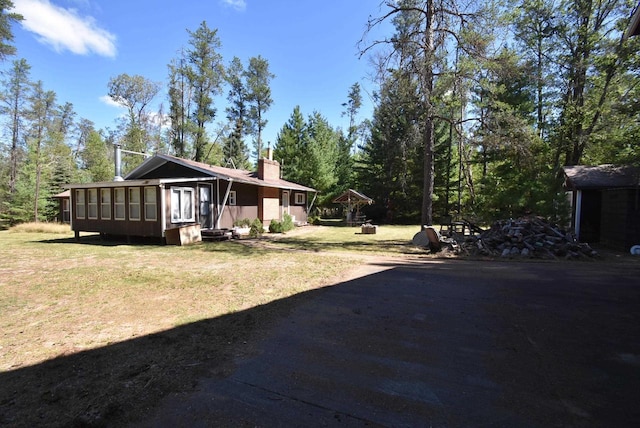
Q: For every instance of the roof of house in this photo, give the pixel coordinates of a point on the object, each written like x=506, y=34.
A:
x=63, y=194
x=142, y=175
x=228, y=174
x=601, y=177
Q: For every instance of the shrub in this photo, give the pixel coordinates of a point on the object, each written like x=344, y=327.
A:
x=287, y=223
x=256, y=228
x=245, y=222
x=275, y=227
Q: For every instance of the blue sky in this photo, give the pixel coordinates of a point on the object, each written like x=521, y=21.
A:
x=76, y=46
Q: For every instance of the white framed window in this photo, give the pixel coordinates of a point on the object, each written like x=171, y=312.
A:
x=150, y=204
x=118, y=203
x=182, y=200
x=232, y=198
x=105, y=204
x=92, y=205
x=299, y=198
x=134, y=203
x=80, y=210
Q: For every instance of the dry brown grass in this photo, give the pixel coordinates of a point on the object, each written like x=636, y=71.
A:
x=40, y=227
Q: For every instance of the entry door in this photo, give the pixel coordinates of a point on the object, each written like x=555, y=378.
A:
x=285, y=203
x=205, y=206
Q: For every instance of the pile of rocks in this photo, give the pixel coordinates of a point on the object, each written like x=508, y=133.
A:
x=529, y=237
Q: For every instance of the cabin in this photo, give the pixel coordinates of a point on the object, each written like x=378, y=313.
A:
x=63, y=201
x=166, y=193
x=605, y=204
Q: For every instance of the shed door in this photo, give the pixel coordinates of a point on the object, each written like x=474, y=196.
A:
x=285, y=203
x=205, y=206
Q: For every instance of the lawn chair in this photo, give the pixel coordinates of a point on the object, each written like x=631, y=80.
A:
x=437, y=241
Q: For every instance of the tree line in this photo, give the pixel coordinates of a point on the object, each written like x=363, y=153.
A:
x=478, y=106
x=482, y=103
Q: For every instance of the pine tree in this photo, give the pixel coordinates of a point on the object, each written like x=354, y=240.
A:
x=290, y=146
x=14, y=97
x=258, y=98
x=205, y=72
x=235, y=150
x=6, y=35
x=96, y=158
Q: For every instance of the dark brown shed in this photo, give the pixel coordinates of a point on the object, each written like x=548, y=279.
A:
x=605, y=204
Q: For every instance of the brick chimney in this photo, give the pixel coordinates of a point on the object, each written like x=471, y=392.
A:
x=268, y=169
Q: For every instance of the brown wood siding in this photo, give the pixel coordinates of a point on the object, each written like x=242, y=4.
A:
x=246, y=195
x=620, y=226
x=246, y=204
x=298, y=212
x=126, y=227
x=232, y=214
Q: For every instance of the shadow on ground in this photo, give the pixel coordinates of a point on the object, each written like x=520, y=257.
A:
x=447, y=343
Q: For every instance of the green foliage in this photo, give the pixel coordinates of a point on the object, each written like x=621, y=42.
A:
x=258, y=96
x=135, y=93
x=6, y=35
x=245, y=222
x=287, y=223
x=391, y=167
x=257, y=228
x=289, y=147
x=234, y=147
x=96, y=158
x=275, y=227
x=308, y=152
x=281, y=226
x=204, y=71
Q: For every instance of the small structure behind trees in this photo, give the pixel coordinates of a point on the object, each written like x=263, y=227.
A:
x=352, y=201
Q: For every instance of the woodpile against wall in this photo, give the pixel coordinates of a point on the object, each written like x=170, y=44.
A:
x=530, y=237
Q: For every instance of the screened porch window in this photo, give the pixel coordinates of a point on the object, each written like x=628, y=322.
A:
x=118, y=204
x=182, y=201
x=105, y=204
x=134, y=203
x=80, y=210
x=150, y=206
x=93, y=203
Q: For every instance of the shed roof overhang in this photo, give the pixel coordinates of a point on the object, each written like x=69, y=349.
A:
x=601, y=177
x=353, y=197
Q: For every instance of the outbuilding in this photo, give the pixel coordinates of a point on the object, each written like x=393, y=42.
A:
x=605, y=204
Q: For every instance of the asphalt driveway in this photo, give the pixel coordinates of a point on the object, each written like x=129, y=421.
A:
x=453, y=343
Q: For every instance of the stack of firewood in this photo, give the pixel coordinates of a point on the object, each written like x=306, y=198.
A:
x=530, y=237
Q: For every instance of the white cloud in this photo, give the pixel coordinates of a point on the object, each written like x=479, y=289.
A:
x=106, y=99
x=239, y=5
x=64, y=29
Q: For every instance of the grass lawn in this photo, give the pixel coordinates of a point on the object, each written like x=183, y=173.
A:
x=92, y=332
